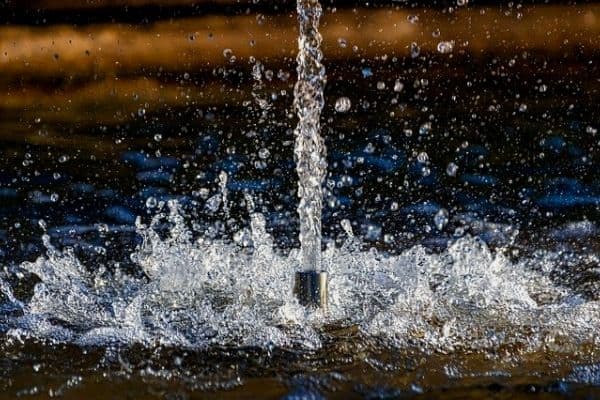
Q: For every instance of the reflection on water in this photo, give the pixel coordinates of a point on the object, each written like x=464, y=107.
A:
x=460, y=221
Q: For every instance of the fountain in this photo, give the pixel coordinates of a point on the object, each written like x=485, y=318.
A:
x=311, y=165
x=438, y=285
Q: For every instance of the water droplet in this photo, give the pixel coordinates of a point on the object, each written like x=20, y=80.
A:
x=380, y=85
x=283, y=75
x=54, y=197
x=423, y=157
x=425, y=128
x=398, y=86
x=228, y=54
x=415, y=50
x=214, y=203
x=259, y=164
x=347, y=226
x=100, y=250
x=257, y=71
x=151, y=202
x=451, y=169
x=343, y=104
x=445, y=47
x=243, y=238
x=523, y=107
x=264, y=153
x=202, y=192
x=63, y=159
x=223, y=180
x=373, y=232
x=413, y=19
x=158, y=137
x=441, y=218
x=342, y=43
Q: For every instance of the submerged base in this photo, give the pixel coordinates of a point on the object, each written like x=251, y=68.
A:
x=310, y=287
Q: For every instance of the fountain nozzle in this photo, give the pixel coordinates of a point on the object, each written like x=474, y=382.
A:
x=311, y=288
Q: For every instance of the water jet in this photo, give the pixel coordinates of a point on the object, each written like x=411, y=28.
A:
x=311, y=165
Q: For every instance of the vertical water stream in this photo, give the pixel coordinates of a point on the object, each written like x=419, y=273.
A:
x=309, y=150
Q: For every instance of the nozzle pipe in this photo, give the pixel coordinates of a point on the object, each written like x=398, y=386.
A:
x=311, y=288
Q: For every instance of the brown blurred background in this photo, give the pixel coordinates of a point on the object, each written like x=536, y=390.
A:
x=59, y=59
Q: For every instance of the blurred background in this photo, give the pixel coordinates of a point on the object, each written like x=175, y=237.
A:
x=464, y=117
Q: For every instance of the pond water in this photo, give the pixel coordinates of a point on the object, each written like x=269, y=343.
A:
x=148, y=248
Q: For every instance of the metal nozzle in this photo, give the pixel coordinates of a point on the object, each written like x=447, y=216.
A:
x=310, y=288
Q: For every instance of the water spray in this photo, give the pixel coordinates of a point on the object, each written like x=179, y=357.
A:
x=309, y=151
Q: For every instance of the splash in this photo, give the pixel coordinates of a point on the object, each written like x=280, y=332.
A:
x=199, y=293
x=309, y=150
